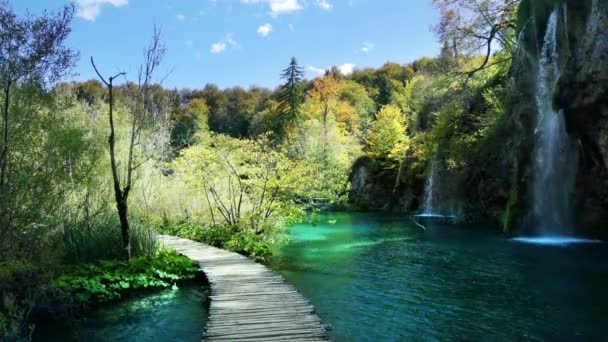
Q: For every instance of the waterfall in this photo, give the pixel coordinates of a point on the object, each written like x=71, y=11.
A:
x=430, y=192
x=554, y=159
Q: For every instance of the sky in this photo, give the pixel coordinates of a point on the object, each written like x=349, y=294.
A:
x=245, y=42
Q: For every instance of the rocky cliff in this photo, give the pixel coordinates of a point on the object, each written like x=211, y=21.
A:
x=502, y=188
x=582, y=95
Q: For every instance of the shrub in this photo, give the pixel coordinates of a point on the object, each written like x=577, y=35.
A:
x=20, y=285
x=249, y=242
x=109, y=280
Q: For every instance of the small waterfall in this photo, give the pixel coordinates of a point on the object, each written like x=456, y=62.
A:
x=430, y=191
x=554, y=160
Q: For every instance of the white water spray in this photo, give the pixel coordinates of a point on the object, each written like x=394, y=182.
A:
x=555, y=159
x=430, y=191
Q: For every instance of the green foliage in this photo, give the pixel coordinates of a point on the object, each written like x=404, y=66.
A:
x=246, y=183
x=230, y=182
x=357, y=96
x=53, y=156
x=258, y=246
x=290, y=98
x=467, y=136
x=20, y=284
x=188, y=122
x=388, y=139
x=247, y=188
x=109, y=280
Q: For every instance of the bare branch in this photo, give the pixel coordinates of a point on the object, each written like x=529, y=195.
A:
x=98, y=73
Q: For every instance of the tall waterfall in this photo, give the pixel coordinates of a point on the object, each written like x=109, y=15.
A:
x=555, y=159
x=430, y=191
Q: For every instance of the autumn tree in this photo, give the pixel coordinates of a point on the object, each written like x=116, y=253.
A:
x=388, y=140
x=291, y=96
x=357, y=96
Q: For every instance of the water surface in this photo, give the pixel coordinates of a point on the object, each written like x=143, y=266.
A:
x=376, y=277
x=171, y=315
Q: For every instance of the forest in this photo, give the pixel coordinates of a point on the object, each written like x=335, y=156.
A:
x=91, y=172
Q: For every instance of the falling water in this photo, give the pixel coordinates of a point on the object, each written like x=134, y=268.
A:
x=430, y=191
x=555, y=160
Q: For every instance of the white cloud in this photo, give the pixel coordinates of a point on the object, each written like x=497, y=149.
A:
x=324, y=4
x=316, y=70
x=265, y=30
x=180, y=17
x=347, y=68
x=90, y=9
x=230, y=40
x=367, y=47
x=218, y=47
x=278, y=7
x=223, y=44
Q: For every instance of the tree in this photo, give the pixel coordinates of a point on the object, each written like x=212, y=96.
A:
x=246, y=184
x=291, y=96
x=385, y=92
x=188, y=122
x=388, y=140
x=91, y=91
x=153, y=55
x=32, y=49
x=473, y=26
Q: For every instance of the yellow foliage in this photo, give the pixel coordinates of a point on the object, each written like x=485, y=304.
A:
x=388, y=139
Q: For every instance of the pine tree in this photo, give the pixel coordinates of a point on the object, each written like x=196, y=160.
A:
x=291, y=97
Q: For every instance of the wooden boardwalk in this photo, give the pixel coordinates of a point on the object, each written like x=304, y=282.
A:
x=248, y=301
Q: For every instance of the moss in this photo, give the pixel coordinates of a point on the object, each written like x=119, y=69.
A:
x=516, y=208
x=524, y=13
x=511, y=212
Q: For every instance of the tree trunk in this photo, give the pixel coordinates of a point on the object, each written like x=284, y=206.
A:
x=120, y=195
x=123, y=215
x=4, y=155
x=4, y=197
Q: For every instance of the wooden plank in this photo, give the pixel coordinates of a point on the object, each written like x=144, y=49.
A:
x=254, y=329
x=248, y=301
x=264, y=335
x=250, y=321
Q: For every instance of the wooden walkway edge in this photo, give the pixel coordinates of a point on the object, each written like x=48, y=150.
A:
x=248, y=301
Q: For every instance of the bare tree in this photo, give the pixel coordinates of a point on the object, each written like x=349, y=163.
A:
x=31, y=48
x=141, y=115
x=478, y=27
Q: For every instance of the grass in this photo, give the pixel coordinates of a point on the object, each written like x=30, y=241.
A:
x=101, y=239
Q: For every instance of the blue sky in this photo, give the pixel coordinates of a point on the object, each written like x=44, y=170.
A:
x=246, y=42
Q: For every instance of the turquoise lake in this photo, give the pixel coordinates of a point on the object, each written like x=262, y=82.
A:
x=170, y=315
x=375, y=277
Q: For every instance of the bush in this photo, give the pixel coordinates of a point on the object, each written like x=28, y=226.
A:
x=20, y=285
x=256, y=245
x=109, y=280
